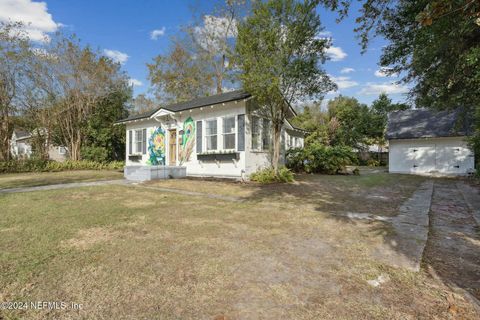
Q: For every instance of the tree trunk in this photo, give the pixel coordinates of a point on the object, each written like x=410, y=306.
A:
x=277, y=129
x=219, y=76
x=5, y=139
x=75, y=150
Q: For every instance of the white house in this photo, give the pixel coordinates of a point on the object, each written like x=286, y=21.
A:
x=428, y=143
x=215, y=136
x=21, y=147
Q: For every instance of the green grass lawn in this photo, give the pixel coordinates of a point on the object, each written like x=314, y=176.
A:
x=127, y=252
x=32, y=179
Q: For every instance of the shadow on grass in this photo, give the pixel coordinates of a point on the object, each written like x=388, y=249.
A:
x=370, y=202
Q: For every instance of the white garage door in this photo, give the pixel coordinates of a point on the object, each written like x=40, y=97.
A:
x=423, y=158
x=437, y=156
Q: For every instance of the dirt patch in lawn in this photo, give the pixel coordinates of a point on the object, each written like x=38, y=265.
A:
x=86, y=239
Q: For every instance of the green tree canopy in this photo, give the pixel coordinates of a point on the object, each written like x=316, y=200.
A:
x=433, y=44
x=279, y=54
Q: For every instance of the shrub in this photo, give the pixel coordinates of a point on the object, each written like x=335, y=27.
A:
x=92, y=153
x=268, y=175
x=373, y=163
x=37, y=165
x=318, y=158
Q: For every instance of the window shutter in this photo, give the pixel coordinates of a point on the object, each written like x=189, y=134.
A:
x=241, y=132
x=130, y=141
x=199, y=136
x=144, y=141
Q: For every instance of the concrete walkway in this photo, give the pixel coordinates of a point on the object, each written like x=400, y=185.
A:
x=405, y=247
x=472, y=198
x=453, y=247
x=65, y=186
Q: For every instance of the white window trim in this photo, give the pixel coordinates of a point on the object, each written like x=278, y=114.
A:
x=234, y=133
x=259, y=133
x=206, y=136
x=137, y=141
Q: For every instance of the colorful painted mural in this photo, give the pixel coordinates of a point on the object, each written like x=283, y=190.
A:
x=188, y=140
x=156, y=147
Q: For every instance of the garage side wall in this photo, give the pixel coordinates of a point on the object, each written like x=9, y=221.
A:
x=430, y=156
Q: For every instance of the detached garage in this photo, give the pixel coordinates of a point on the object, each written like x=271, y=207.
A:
x=428, y=143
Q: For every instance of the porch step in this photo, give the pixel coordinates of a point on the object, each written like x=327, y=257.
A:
x=145, y=173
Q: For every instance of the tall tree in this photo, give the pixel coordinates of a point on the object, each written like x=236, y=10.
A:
x=105, y=141
x=73, y=81
x=435, y=44
x=279, y=54
x=14, y=58
x=141, y=104
x=178, y=75
x=213, y=39
x=349, y=122
x=197, y=63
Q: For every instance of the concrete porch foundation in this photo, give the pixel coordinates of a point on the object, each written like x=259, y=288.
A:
x=145, y=173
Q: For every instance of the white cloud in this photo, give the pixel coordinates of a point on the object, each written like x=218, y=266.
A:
x=155, y=34
x=324, y=34
x=135, y=82
x=214, y=30
x=344, y=82
x=347, y=70
x=116, y=56
x=336, y=53
x=386, y=87
x=382, y=73
x=38, y=22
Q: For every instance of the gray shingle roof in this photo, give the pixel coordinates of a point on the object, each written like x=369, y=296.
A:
x=195, y=103
x=423, y=123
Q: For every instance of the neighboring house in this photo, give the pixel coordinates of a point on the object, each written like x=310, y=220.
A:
x=21, y=147
x=428, y=143
x=216, y=136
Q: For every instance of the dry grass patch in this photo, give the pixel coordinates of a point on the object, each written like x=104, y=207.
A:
x=186, y=257
x=87, y=238
x=33, y=179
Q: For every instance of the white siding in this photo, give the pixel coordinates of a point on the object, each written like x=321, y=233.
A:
x=442, y=156
x=248, y=161
x=196, y=166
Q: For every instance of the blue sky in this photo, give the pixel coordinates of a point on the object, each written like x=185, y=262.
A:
x=123, y=29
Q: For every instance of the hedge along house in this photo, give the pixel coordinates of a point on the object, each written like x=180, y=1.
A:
x=425, y=142
x=215, y=136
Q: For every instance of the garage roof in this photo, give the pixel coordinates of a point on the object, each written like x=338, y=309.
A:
x=423, y=123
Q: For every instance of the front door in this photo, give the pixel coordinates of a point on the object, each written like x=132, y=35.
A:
x=172, y=147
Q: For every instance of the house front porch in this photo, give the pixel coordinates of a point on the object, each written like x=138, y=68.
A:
x=145, y=173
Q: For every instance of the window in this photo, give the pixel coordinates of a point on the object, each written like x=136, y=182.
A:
x=211, y=134
x=130, y=141
x=140, y=141
x=229, y=133
x=255, y=133
x=62, y=150
x=266, y=132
